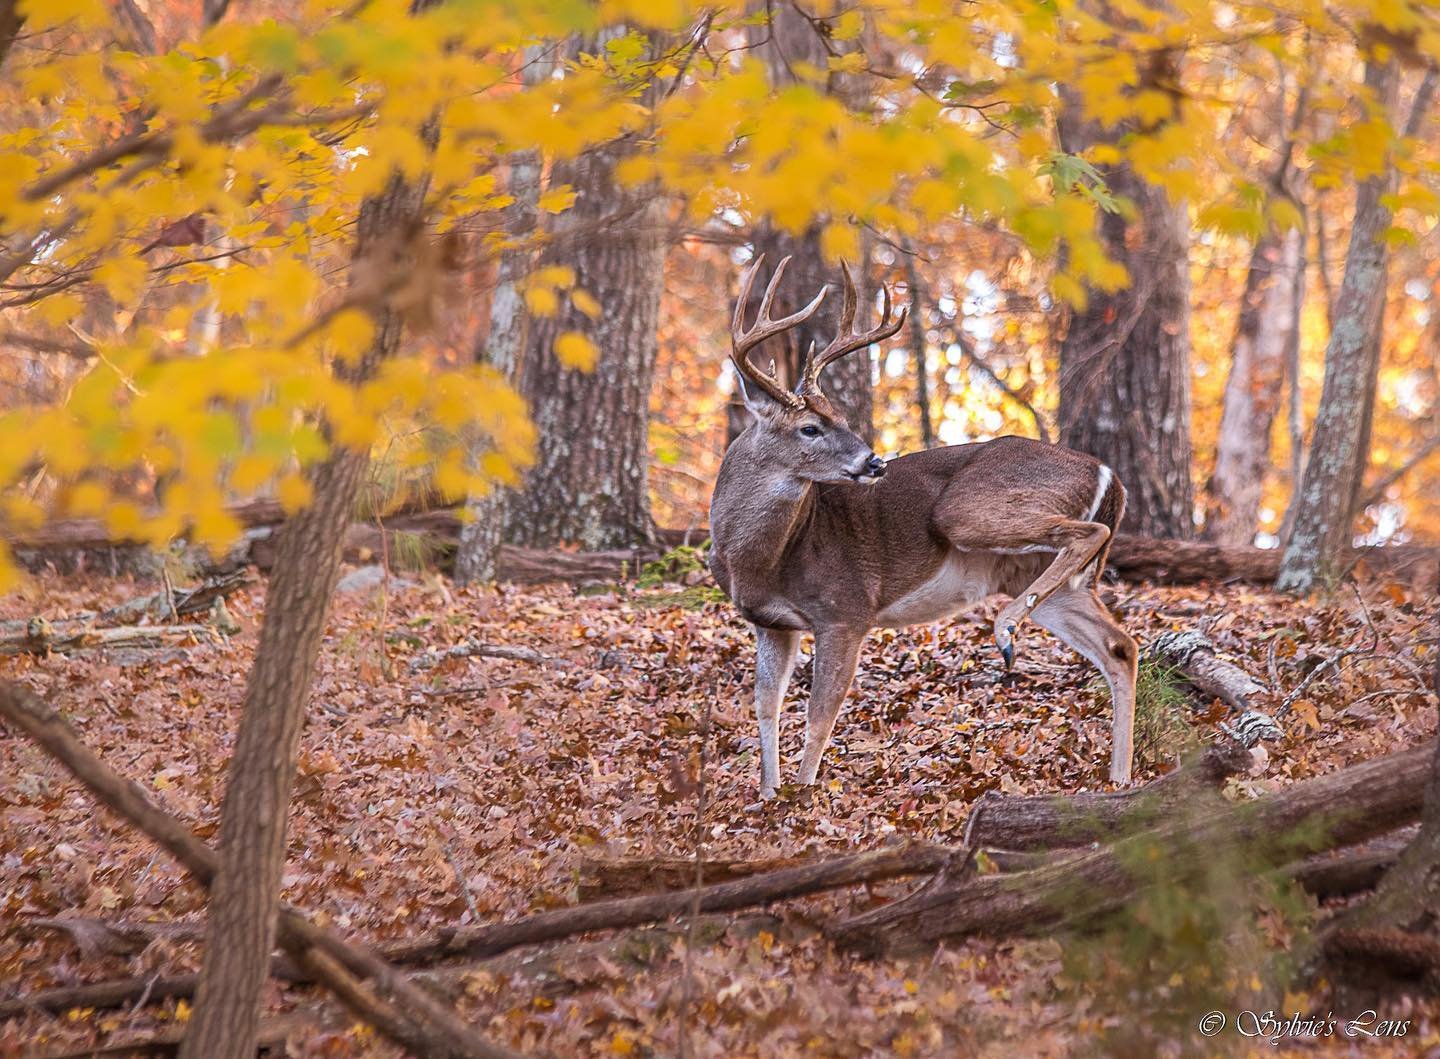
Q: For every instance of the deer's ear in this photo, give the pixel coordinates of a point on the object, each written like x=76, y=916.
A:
x=759, y=403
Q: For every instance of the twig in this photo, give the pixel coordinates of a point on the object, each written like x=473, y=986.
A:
x=460, y=879
x=475, y=649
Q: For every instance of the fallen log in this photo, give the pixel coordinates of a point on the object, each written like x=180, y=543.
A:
x=1329, y=875
x=1325, y=812
x=365, y=983
x=558, y=962
x=1131, y=557
x=112, y=993
x=1349, y=871
x=1137, y=558
x=476, y=649
x=271, y=1039
x=39, y=637
x=1195, y=657
x=1051, y=821
x=616, y=878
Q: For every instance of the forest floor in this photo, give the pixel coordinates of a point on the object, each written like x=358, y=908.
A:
x=480, y=789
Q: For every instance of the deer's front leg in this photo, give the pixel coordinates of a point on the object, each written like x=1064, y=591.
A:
x=775, y=651
x=836, y=651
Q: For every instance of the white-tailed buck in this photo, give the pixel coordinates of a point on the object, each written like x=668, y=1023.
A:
x=811, y=531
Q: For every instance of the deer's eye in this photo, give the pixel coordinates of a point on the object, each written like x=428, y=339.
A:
x=809, y=430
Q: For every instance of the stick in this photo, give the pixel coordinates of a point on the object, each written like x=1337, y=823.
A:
x=473, y=648
x=822, y=875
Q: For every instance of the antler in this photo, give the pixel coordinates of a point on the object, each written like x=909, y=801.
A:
x=743, y=340
x=846, y=339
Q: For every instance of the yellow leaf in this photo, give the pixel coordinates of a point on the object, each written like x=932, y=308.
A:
x=351, y=333
x=583, y=301
x=123, y=277
x=541, y=301
x=847, y=26
x=293, y=492
x=46, y=14
x=557, y=200
x=574, y=350
x=60, y=308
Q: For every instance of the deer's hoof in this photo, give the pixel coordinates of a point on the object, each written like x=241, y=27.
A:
x=767, y=794
x=1005, y=640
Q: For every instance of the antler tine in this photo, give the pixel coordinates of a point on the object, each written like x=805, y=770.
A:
x=846, y=339
x=744, y=339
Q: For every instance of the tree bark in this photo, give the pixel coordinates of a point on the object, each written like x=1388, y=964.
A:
x=1269, y=322
x=245, y=897
x=1193, y=655
x=1334, y=468
x=590, y=483
x=501, y=343
x=1125, y=359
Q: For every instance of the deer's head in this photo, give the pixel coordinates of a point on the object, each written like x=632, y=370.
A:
x=800, y=430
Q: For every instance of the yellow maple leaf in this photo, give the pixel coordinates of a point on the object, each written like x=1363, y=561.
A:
x=574, y=350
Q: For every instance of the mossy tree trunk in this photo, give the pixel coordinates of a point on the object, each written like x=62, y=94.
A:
x=1324, y=502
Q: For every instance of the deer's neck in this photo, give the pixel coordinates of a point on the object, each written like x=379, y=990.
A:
x=756, y=515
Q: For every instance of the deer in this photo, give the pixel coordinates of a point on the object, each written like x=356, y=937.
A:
x=812, y=532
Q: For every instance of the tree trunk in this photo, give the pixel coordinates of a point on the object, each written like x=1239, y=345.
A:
x=1125, y=360
x=11, y=19
x=788, y=39
x=1324, y=500
x=501, y=343
x=919, y=347
x=1269, y=320
x=245, y=897
x=590, y=484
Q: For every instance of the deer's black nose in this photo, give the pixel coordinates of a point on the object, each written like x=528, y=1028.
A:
x=875, y=467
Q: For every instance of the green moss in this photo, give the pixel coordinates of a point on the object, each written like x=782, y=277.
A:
x=692, y=598
x=675, y=565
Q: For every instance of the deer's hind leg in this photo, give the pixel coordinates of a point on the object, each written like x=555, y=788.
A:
x=1073, y=541
x=1077, y=617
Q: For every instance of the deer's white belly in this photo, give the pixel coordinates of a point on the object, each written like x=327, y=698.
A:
x=963, y=579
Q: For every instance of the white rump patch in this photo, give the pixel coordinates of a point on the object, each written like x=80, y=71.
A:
x=1101, y=487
